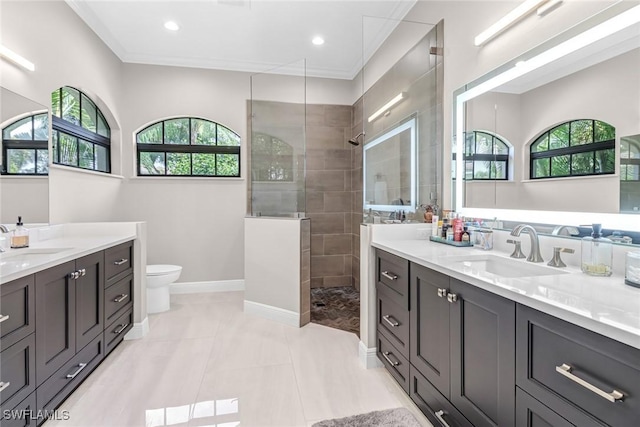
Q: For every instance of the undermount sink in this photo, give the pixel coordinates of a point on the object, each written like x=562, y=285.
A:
x=16, y=255
x=499, y=266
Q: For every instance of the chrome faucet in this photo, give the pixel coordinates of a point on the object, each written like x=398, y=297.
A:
x=4, y=230
x=534, y=256
x=569, y=229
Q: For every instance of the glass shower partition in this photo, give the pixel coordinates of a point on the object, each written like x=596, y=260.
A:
x=277, y=120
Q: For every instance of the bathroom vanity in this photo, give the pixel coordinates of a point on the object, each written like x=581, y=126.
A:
x=476, y=343
x=63, y=310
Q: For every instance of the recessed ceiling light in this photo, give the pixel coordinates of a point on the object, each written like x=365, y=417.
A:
x=317, y=40
x=171, y=26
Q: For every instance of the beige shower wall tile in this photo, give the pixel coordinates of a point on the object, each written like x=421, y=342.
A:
x=336, y=281
x=327, y=223
x=327, y=265
x=325, y=137
x=337, y=244
x=337, y=201
x=337, y=115
x=326, y=181
x=315, y=201
x=317, y=244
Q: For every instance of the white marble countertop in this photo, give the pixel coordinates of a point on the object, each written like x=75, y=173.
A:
x=601, y=304
x=17, y=263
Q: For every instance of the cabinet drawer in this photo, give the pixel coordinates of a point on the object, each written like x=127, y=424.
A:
x=117, y=298
x=393, y=323
x=17, y=311
x=392, y=277
x=56, y=389
x=567, y=367
x=118, y=262
x=531, y=413
x=23, y=415
x=395, y=363
x=434, y=405
x=115, y=332
x=17, y=372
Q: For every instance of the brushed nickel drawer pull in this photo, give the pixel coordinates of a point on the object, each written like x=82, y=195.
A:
x=565, y=370
x=389, y=276
x=121, y=298
x=3, y=318
x=120, y=329
x=4, y=385
x=386, y=355
x=122, y=261
x=394, y=323
x=442, y=292
x=440, y=416
x=81, y=366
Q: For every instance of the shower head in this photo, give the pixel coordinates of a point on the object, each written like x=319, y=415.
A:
x=354, y=140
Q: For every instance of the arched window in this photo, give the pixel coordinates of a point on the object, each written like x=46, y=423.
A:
x=272, y=159
x=486, y=156
x=576, y=148
x=188, y=146
x=81, y=137
x=630, y=158
x=25, y=146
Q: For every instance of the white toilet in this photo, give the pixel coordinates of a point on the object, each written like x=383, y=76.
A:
x=159, y=277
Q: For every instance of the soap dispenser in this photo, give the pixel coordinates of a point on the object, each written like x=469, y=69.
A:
x=20, y=236
x=597, y=253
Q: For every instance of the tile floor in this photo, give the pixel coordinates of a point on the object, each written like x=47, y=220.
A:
x=206, y=363
x=337, y=308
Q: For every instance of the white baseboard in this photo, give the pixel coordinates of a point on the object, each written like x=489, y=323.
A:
x=139, y=330
x=199, y=287
x=368, y=356
x=276, y=314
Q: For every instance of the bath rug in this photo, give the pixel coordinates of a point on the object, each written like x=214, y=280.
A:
x=399, y=417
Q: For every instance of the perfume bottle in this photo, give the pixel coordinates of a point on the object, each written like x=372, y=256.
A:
x=597, y=253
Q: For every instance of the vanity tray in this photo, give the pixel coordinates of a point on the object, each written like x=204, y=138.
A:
x=450, y=242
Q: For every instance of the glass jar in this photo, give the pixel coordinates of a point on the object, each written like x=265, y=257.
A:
x=632, y=269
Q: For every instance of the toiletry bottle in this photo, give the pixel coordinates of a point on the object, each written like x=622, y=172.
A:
x=445, y=225
x=465, y=236
x=439, y=231
x=458, y=228
x=450, y=234
x=434, y=225
x=597, y=253
x=428, y=215
x=20, y=236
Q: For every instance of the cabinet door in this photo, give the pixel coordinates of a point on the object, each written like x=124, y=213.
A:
x=429, y=326
x=17, y=311
x=531, y=413
x=89, y=298
x=55, y=319
x=482, y=355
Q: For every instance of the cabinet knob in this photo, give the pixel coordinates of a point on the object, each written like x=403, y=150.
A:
x=74, y=275
x=442, y=292
x=452, y=298
x=82, y=272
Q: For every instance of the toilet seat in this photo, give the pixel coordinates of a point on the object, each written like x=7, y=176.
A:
x=162, y=269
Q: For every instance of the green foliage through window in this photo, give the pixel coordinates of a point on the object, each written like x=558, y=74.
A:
x=576, y=148
x=486, y=157
x=630, y=158
x=188, y=146
x=81, y=136
x=25, y=146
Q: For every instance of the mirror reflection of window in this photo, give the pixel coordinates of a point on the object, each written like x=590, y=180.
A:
x=576, y=148
x=25, y=146
x=389, y=169
x=630, y=158
x=486, y=157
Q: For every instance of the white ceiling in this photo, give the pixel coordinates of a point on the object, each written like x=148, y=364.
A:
x=245, y=35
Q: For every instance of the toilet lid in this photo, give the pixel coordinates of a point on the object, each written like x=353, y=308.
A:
x=158, y=269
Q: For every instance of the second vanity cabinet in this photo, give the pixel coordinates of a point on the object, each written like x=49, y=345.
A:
x=474, y=358
x=57, y=328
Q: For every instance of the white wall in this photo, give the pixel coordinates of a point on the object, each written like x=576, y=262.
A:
x=194, y=220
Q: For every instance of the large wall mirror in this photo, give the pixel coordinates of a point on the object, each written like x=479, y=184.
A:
x=24, y=183
x=551, y=132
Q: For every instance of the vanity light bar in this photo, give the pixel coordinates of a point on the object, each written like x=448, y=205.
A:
x=12, y=56
x=399, y=97
x=506, y=21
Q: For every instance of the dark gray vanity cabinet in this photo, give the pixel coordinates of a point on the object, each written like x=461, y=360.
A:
x=463, y=344
x=55, y=319
x=56, y=327
x=589, y=379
